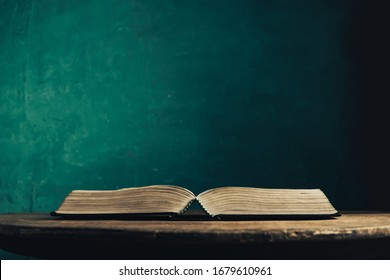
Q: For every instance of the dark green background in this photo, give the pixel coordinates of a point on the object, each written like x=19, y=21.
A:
x=111, y=94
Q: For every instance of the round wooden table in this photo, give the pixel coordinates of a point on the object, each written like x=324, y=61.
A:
x=351, y=236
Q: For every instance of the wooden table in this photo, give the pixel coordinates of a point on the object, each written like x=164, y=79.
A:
x=351, y=236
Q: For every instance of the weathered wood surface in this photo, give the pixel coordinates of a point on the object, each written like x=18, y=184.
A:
x=347, y=227
x=351, y=236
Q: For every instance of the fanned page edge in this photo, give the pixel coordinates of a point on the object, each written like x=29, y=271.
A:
x=59, y=213
x=268, y=216
x=204, y=208
x=134, y=188
x=187, y=206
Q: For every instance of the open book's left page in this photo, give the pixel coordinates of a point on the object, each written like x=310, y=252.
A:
x=156, y=199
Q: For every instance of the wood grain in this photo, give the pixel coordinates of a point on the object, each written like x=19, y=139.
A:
x=346, y=227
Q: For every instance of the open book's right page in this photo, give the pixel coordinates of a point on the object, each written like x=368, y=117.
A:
x=250, y=201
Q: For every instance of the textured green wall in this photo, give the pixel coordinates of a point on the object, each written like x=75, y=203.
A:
x=109, y=94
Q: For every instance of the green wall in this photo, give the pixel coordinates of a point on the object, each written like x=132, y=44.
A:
x=110, y=94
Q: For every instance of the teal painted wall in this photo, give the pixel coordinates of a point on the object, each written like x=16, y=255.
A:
x=110, y=94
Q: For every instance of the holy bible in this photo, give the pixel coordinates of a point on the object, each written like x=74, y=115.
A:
x=217, y=202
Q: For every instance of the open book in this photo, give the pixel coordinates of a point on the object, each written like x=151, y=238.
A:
x=220, y=202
